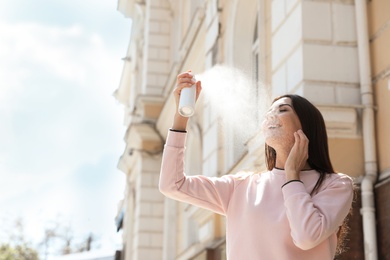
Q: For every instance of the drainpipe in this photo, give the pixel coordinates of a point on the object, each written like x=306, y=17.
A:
x=370, y=161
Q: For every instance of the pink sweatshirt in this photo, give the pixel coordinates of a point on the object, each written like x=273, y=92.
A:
x=264, y=221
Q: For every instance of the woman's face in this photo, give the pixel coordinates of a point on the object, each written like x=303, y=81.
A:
x=280, y=123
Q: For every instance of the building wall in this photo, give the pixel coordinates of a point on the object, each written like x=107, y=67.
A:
x=280, y=46
x=379, y=33
x=383, y=215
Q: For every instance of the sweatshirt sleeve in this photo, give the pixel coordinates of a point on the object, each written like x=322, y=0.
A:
x=209, y=193
x=314, y=219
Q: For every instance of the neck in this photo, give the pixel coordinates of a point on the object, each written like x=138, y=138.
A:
x=281, y=158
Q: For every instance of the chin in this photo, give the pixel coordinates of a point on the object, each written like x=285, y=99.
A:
x=279, y=141
x=271, y=141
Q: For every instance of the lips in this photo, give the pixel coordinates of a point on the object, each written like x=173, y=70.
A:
x=274, y=126
x=271, y=128
x=271, y=124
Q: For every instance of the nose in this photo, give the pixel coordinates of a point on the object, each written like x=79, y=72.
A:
x=270, y=115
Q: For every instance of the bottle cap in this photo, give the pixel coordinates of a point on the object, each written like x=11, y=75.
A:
x=186, y=111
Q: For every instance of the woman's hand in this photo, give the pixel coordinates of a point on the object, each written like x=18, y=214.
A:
x=184, y=80
x=297, y=159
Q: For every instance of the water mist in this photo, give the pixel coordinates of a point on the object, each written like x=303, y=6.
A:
x=238, y=101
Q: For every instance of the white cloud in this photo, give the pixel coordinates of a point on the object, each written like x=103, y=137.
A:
x=68, y=53
x=56, y=110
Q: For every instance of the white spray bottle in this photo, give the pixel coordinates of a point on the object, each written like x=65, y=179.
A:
x=187, y=101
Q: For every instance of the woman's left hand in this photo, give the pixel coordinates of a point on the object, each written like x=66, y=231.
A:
x=298, y=156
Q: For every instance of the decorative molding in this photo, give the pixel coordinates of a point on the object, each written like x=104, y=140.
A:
x=143, y=137
x=341, y=122
x=149, y=107
x=126, y=7
x=140, y=139
x=129, y=7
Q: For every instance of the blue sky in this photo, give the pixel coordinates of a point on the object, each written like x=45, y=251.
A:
x=61, y=130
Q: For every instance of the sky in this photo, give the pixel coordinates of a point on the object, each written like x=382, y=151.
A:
x=61, y=129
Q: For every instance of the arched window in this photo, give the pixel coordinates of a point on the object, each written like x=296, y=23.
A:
x=245, y=38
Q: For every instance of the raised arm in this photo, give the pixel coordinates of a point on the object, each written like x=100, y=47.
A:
x=184, y=80
x=209, y=193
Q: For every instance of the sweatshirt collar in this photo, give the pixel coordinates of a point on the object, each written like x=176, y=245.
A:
x=280, y=171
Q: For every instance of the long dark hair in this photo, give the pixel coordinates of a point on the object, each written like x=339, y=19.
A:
x=313, y=125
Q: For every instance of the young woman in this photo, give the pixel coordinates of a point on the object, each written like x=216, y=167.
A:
x=295, y=210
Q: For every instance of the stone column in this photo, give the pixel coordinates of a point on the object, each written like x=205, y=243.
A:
x=143, y=224
x=156, y=51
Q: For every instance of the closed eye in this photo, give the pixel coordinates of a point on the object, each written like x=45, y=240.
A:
x=284, y=107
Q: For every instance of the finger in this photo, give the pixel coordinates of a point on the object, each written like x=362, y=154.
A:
x=185, y=77
x=302, y=142
x=296, y=139
x=303, y=139
x=181, y=80
x=180, y=86
x=300, y=146
x=302, y=135
x=185, y=74
x=305, y=143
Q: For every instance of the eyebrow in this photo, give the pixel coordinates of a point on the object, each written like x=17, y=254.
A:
x=282, y=105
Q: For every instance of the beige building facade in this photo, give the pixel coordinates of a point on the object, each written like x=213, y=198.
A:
x=336, y=53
